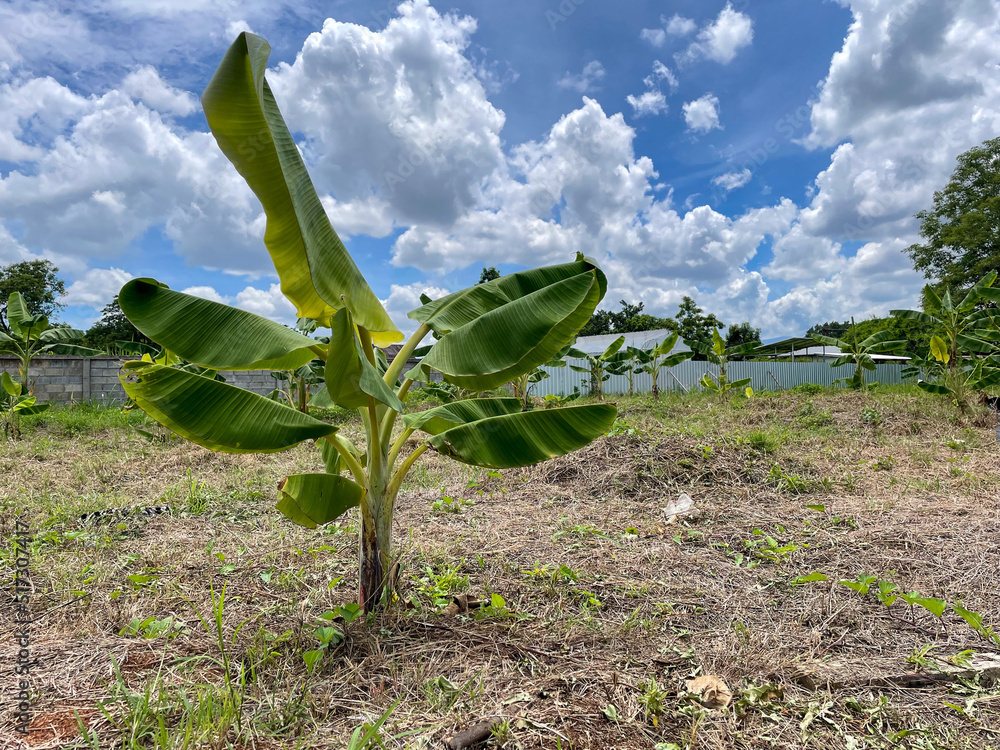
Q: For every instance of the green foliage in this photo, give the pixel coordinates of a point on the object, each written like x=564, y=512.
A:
x=113, y=329
x=15, y=403
x=37, y=282
x=960, y=230
x=662, y=355
x=695, y=328
x=858, y=351
x=598, y=365
x=485, y=336
x=629, y=319
x=488, y=274
x=720, y=355
x=744, y=333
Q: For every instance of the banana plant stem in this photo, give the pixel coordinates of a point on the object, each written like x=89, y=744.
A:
x=399, y=361
x=398, y=445
x=397, y=479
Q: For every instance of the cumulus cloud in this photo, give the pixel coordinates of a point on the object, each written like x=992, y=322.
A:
x=676, y=25
x=655, y=37
x=585, y=82
x=145, y=85
x=680, y=26
x=405, y=297
x=647, y=103
x=96, y=288
x=702, y=115
x=721, y=39
x=732, y=180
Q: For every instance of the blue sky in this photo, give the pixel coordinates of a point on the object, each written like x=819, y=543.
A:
x=765, y=157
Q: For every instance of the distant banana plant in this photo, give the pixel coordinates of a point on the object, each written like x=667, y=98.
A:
x=654, y=359
x=859, y=352
x=597, y=366
x=489, y=334
x=14, y=404
x=32, y=335
x=964, y=350
x=720, y=356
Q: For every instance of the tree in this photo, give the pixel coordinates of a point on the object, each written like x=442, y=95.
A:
x=488, y=274
x=744, y=333
x=37, y=281
x=833, y=328
x=630, y=319
x=917, y=336
x=650, y=361
x=113, y=328
x=490, y=334
x=962, y=231
x=695, y=328
x=598, y=364
x=31, y=335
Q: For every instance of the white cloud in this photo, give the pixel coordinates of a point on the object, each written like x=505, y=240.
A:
x=661, y=73
x=404, y=298
x=680, y=26
x=270, y=303
x=145, y=85
x=97, y=287
x=585, y=82
x=206, y=292
x=732, y=180
x=400, y=111
x=655, y=37
x=648, y=103
x=702, y=115
x=722, y=39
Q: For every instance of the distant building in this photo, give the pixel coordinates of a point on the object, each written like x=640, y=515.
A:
x=639, y=340
x=807, y=350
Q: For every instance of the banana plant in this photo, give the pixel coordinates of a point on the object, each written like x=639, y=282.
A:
x=720, y=356
x=859, y=352
x=652, y=360
x=31, y=335
x=597, y=366
x=967, y=329
x=625, y=363
x=959, y=383
x=521, y=386
x=488, y=335
x=15, y=403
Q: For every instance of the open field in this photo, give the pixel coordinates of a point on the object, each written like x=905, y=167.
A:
x=604, y=608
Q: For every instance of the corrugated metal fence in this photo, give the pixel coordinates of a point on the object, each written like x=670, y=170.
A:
x=764, y=376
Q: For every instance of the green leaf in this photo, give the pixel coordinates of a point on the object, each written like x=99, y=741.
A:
x=11, y=386
x=517, y=337
x=718, y=345
x=526, y=437
x=916, y=315
x=350, y=377
x=312, y=500
x=216, y=415
x=613, y=349
x=28, y=406
x=972, y=344
x=977, y=291
x=455, y=310
x=71, y=350
x=317, y=273
x=437, y=420
x=211, y=334
x=932, y=605
x=935, y=388
x=60, y=336
x=17, y=314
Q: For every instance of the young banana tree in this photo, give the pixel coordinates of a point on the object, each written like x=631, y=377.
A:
x=15, y=403
x=967, y=329
x=859, y=352
x=654, y=359
x=626, y=363
x=31, y=335
x=597, y=366
x=960, y=383
x=488, y=335
x=720, y=356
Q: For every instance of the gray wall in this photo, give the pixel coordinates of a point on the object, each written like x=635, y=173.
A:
x=64, y=379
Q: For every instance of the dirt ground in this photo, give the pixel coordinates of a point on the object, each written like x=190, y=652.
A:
x=599, y=605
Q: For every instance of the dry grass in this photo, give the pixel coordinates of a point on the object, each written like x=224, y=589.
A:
x=602, y=595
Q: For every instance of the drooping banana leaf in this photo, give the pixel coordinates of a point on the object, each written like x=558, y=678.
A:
x=216, y=415
x=312, y=500
x=440, y=418
x=317, y=273
x=525, y=438
x=212, y=334
x=514, y=338
x=350, y=377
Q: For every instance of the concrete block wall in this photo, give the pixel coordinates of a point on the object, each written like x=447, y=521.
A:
x=61, y=379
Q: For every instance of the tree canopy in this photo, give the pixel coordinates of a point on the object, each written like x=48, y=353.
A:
x=744, y=333
x=37, y=281
x=695, y=327
x=113, y=326
x=629, y=319
x=962, y=231
x=488, y=274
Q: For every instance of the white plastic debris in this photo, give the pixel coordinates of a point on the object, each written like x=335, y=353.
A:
x=682, y=506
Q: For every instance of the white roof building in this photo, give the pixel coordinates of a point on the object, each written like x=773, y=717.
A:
x=639, y=340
